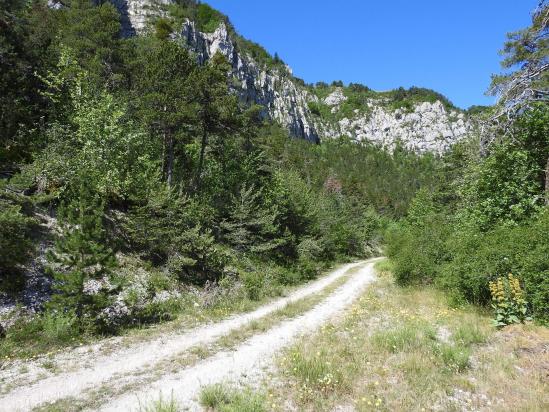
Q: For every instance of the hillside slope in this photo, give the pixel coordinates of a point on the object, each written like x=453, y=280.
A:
x=423, y=122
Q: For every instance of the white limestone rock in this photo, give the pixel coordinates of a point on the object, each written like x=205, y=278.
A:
x=335, y=98
x=430, y=127
x=274, y=89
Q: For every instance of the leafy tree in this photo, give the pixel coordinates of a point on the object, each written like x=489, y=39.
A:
x=503, y=189
x=100, y=144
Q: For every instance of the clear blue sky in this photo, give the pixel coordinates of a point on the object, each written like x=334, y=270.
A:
x=450, y=46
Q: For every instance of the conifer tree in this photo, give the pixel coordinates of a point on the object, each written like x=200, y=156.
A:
x=251, y=227
x=82, y=263
x=217, y=109
x=162, y=90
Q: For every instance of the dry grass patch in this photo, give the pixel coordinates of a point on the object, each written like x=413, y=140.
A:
x=407, y=349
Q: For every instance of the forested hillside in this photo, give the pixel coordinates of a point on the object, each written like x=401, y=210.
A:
x=132, y=177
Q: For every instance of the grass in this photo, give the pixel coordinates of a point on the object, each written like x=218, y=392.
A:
x=161, y=405
x=222, y=398
x=409, y=349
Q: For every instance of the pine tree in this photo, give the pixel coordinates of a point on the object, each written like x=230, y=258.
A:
x=81, y=263
x=217, y=109
x=162, y=88
x=250, y=226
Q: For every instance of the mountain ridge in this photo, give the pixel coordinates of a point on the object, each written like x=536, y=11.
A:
x=424, y=122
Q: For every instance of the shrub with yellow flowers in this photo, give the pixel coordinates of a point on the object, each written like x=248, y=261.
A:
x=508, y=301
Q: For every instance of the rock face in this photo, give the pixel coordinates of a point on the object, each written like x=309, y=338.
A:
x=135, y=13
x=427, y=127
x=273, y=89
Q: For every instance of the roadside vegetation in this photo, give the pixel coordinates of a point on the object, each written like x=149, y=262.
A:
x=138, y=188
x=407, y=348
x=482, y=234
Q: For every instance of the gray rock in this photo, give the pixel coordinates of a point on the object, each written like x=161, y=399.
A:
x=274, y=89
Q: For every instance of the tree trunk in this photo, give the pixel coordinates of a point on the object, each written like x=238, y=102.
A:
x=203, y=144
x=170, y=159
x=547, y=183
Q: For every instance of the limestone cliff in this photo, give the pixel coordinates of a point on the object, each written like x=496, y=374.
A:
x=426, y=126
x=275, y=89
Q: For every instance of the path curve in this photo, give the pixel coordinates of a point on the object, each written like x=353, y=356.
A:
x=249, y=361
x=96, y=368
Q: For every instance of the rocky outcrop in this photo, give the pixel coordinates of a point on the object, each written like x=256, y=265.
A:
x=135, y=13
x=427, y=127
x=275, y=89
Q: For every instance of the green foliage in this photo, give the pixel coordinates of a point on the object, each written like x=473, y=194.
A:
x=196, y=257
x=161, y=405
x=402, y=98
x=92, y=32
x=254, y=284
x=496, y=224
x=162, y=92
x=163, y=29
x=358, y=96
x=250, y=225
x=508, y=301
x=25, y=35
x=455, y=357
x=503, y=188
x=16, y=243
x=208, y=18
x=41, y=333
x=82, y=263
x=221, y=398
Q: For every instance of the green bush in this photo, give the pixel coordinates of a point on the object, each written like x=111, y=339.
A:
x=59, y=327
x=478, y=258
x=417, y=245
x=42, y=332
x=208, y=18
x=196, y=257
x=254, y=284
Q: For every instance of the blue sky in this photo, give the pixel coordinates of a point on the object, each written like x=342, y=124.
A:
x=450, y=46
